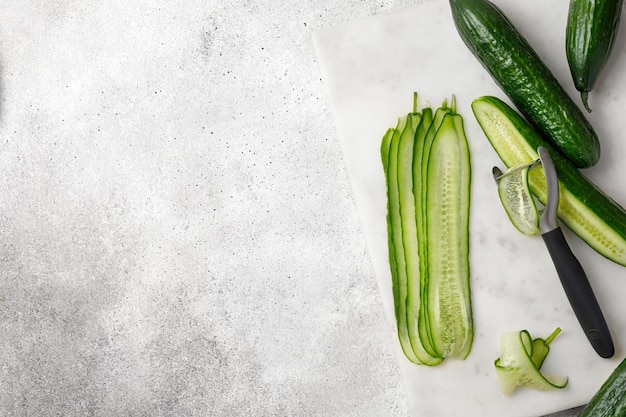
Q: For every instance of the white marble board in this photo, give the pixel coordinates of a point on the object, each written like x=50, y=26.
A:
x=370, y=68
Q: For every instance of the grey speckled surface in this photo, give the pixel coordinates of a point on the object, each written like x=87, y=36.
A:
x=178, y=234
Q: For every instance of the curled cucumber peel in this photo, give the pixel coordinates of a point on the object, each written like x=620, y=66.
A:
x=520, y=361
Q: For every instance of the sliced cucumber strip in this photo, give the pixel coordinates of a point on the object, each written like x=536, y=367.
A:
x=389, y=153
x=408, y=226
x=518, y=201
x=520, y=361
x=418, y=324
x=447, y=219
x=420, y=174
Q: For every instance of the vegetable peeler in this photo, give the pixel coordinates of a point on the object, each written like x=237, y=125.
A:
x=570, y=272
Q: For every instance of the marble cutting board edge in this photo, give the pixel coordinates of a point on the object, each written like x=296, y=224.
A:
x=370, y=69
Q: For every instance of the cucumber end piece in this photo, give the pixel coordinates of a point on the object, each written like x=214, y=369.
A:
x=584, y=96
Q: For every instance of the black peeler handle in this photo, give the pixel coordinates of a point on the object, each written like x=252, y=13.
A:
x=579, y=293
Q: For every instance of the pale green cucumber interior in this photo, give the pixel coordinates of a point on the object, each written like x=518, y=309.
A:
x=429, y=332
x=447, y=203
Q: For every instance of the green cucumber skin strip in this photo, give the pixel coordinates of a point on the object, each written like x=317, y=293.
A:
x=608, y=401
x=396, y=249
x=447, y=202
x=525, y=79
x=592, y=27
x=599, y=208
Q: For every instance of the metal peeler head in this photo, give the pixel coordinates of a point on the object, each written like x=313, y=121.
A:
x=548, y=220
x=497, y=172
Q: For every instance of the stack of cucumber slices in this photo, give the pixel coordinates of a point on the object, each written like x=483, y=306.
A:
x=427, y=169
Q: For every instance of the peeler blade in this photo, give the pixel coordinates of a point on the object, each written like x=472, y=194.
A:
x=548, y=220
x=498, y=174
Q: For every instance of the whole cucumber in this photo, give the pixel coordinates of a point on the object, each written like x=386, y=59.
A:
x=526, y=80
x=592, y=26
x=608, y=401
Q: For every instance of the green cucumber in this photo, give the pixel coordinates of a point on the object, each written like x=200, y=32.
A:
x=525, y=79
x=592, y=27
x=426, y=163
x=609, y=400
x=583, y=207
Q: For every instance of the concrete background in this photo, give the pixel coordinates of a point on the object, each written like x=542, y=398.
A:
x=178, y=235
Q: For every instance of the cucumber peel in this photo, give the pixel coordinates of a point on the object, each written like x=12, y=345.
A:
x=427, y=171
x=520, y=361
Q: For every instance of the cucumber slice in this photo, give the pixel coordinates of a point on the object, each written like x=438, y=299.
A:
x=447, y=222
x=520, y=362
x=518, y=201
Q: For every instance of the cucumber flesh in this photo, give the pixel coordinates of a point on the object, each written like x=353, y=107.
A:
x=592, y=215
x=419, y=331
x=420, y=173
x=447, y=203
